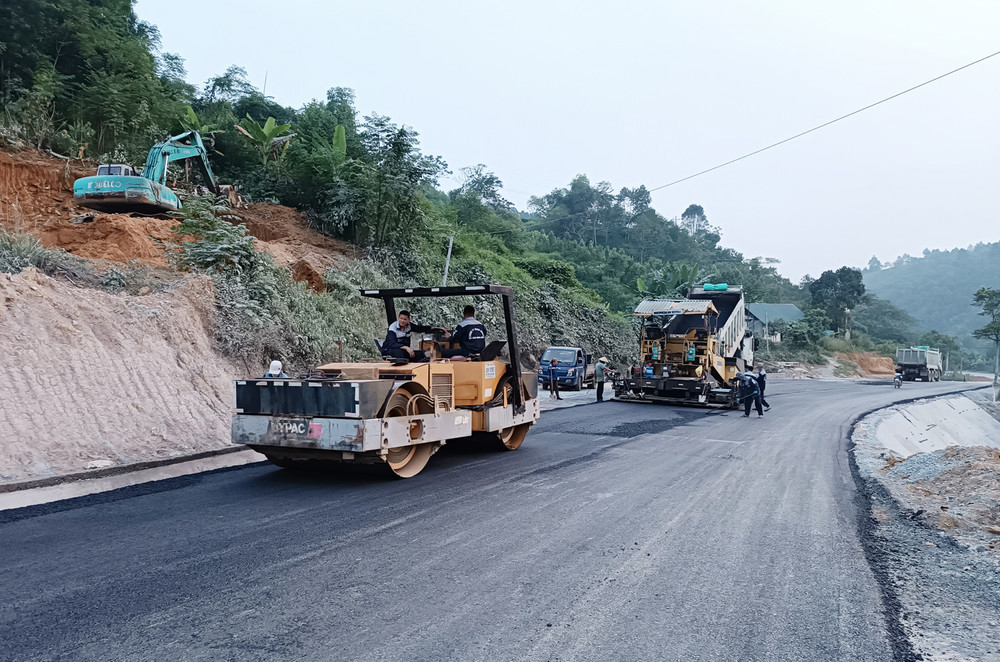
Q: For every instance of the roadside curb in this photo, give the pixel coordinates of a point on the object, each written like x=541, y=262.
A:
x=116, y=471
x=857, y=419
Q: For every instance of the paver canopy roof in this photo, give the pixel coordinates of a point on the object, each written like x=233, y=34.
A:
x=675, y=307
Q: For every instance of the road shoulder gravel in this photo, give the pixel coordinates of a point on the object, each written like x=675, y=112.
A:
x=940, y=579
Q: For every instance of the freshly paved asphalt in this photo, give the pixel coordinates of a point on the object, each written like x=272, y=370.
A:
x=617, y=532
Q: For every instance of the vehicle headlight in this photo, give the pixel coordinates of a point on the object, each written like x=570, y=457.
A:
x=571, y=372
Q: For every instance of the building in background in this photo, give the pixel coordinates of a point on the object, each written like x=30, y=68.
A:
x=760, y=315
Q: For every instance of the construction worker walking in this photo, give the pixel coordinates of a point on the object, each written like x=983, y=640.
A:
x=553, y=381
x=762, y=384
x=750, y=394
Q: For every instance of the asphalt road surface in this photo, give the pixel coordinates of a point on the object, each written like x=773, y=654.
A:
x=617, y=532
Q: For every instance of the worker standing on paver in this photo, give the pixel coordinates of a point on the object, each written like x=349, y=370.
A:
x=602, y=364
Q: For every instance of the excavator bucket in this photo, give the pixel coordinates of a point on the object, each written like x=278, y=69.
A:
x=233, y=196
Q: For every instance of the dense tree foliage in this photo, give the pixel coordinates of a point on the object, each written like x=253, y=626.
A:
x=837, y=293
x=86, y=74
x=988, y=302
x=883, y=322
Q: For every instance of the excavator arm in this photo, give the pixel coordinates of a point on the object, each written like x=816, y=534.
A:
x=187, y=145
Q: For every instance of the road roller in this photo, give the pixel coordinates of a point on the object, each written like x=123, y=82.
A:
x=394, y=412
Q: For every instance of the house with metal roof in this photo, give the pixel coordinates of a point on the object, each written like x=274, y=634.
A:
x=760, y=315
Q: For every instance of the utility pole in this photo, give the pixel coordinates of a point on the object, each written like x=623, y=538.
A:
x=767, y=334
x=447, y=261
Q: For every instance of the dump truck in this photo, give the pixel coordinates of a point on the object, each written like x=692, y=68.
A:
x=117, y=187
x=919, y=363
x=392, y=412
x=691, y=350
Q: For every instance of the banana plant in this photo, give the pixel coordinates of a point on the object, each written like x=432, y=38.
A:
x=270, y=140
x=333, y=154
x=192, y=122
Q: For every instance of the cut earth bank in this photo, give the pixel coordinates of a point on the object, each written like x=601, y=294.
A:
x=930, y=470
x=93, y=379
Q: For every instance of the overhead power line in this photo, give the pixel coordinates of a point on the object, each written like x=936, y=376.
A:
x=825, y=124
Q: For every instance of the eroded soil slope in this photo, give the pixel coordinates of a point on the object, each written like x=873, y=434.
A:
x=284, y=233
x=36, y=196
x=91, y=377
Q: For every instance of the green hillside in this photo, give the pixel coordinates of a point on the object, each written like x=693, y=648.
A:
x=89, y=80
x=937, y=289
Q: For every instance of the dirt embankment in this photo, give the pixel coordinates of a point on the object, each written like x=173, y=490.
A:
x=36, y=196
x=94, y=379
x=34, y=189
x=842, y=365
x=284, y=233
x=864, y=364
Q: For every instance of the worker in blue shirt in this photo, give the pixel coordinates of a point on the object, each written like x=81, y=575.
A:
x=749, y=392
x=397, y=339
x=470, y=334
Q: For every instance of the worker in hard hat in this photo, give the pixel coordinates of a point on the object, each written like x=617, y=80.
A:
x=274, y=371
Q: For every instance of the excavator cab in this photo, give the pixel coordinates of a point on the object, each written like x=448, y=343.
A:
x=116, y=170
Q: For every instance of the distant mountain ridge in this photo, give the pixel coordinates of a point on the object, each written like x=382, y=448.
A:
x=937, y=289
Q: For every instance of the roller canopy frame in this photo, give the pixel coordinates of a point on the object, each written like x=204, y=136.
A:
x=505, y=292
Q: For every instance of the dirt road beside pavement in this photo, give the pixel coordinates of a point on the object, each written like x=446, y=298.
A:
x=931, y=473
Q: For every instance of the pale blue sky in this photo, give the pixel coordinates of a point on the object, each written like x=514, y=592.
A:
x=649, y=92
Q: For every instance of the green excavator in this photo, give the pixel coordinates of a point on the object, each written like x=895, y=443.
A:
x=118, y=188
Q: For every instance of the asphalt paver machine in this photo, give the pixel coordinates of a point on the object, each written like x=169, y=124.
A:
x=393, y=412
x=691, y=350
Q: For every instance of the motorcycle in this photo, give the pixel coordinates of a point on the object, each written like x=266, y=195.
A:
x=897, y=381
